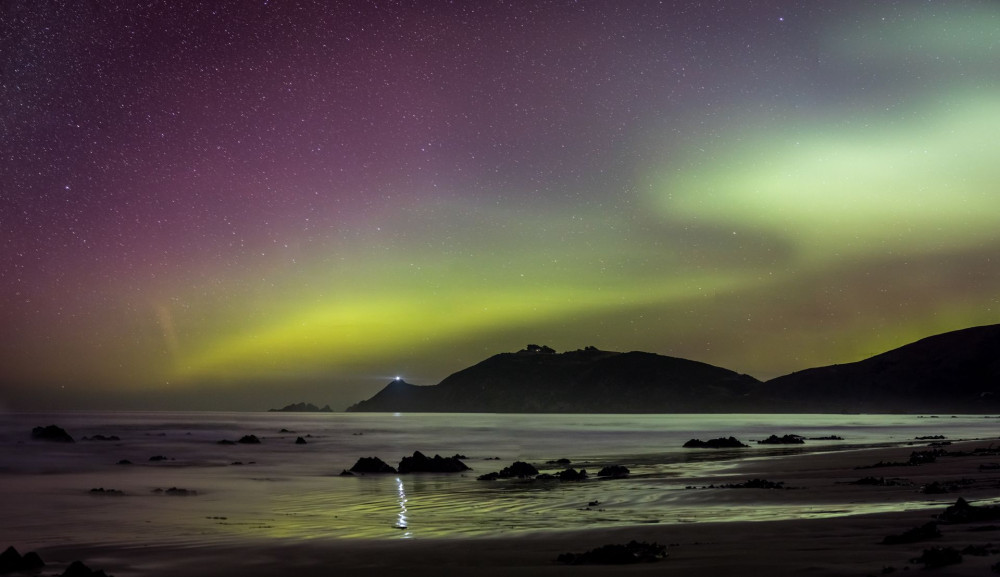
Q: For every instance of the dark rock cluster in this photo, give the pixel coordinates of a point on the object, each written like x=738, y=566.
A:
x=922, y=533
x=416, y=463
x=420, y=463
x=783, y=440
x=938, y=557
x=881, y=482
x=13, y=562
x=78, y=569
x=518, y=469
x=102, y=438
x=614, y=471
x=570, y=475
x=615, y=554
x=718, y=443
x=103, y=491
x=750, y=484
x=963, y=512
x=371, y=465
x=176, y=492
x=51, y=433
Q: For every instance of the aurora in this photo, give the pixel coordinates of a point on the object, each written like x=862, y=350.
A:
x=218, y=209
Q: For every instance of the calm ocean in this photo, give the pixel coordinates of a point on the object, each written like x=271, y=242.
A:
x=279, y=489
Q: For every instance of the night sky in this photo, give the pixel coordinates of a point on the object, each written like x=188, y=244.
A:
x=244, y=204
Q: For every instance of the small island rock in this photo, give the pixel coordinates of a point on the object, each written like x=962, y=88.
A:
x=302, y=408
x=51, y=433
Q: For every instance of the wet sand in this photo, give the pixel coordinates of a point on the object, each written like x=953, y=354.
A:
x=826, y=544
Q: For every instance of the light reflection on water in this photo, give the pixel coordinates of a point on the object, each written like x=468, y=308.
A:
x=294, y=491
x=401, y=520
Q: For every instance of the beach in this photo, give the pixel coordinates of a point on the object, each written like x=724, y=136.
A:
x=824, y=541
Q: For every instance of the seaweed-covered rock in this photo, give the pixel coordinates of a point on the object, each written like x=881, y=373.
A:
x=249, y=440
x=420, y=463
x=300, y=441
x=922, y=533
x=614, y=471
x=719, y=443
x=783, y=440
x=614, y=554
x=371, y=465
x=51, y=433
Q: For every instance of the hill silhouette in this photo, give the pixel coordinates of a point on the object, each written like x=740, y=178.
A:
x=955, y=372
x=538, y=380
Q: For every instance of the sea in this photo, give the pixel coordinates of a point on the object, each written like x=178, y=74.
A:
x=185, y=487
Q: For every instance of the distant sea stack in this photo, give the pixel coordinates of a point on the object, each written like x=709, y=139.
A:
x=955, y=372
x=302, y=408
x=539, y=380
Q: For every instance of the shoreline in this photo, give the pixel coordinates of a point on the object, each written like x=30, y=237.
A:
x=832, y=543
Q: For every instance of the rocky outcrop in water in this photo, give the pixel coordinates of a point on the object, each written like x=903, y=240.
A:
x=783, y=440
x=518, y=469
x=963, y=512
x=51, y=433
x=78, y=569
x=718, y=443
x=420, y=463
x=371, y=465
x=614, y=472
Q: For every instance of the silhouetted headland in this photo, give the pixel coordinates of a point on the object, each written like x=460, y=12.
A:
x=955, y=372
